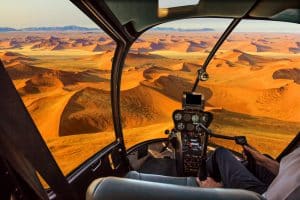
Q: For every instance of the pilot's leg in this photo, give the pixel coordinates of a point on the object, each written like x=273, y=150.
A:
x=223, y=166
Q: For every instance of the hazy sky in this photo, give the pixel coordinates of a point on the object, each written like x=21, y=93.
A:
x=31, y=13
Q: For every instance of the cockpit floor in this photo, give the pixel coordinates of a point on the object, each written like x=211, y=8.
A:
x=160, y=166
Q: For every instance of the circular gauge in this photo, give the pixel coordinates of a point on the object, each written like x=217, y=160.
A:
x=187, y=117
x=205, y=118
x=180, y=126
x=195, y=118
x=190, y=127
x=178, y=116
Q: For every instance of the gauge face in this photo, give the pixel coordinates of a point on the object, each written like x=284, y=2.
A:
x=205, y=118
x=195, y=118
x=190, y=127
x=187, y=117
x=180, y=126
x=178, y=116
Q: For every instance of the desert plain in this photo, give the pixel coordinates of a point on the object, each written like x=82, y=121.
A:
x=64, y=81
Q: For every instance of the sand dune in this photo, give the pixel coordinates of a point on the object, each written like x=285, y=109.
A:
x=104, y=46
x=155, y=72
x=48, y=43
x=178, y=45
x=291, y=74
x=238, y=58
x=81, y=42
x=68, y=78
x=173, y=87
x=295, y=49
x=170, y=46
x=42, y=83
x=15, y=43
x=141, y=46
x=190, y=67
x=103, y=60
x=141, y=106
x=14, y=58
x=196, y=47
x=270, y=102
x=64, y=81
x=61, y=46
x=88, y=110
x=262, y=47
x=46, y=111
x=43, y=79
x=256, y=59
x=23, y=71
x=145, y=60
x=131, y=78
x=5, y=44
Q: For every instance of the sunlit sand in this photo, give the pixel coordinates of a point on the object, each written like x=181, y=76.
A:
x=64, y=81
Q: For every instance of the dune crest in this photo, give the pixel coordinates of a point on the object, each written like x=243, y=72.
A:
x=42, y=83
x=87, y=111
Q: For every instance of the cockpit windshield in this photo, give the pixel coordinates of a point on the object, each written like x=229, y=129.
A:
x=251, y=90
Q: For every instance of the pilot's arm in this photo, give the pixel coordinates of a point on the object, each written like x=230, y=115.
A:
x=270, y=164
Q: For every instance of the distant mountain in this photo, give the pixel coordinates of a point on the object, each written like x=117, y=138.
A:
x=58, y=28
x=180, y=29
x=79, y=28
x=6, y=29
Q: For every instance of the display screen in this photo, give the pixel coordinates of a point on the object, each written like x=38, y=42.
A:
x=193, y=99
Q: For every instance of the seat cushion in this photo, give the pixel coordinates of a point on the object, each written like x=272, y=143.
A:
x=113, y=188
x=184, y=181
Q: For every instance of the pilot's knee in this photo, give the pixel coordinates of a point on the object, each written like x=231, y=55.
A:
x=221, y=151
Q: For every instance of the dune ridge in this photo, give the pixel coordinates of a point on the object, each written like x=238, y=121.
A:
x=87, y=110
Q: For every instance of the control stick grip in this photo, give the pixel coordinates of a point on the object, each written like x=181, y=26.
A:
x=202, y=173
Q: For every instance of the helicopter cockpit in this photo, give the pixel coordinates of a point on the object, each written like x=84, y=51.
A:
x=187, y=144
x=132, y=101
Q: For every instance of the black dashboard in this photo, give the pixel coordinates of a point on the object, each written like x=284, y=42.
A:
x=192, y=139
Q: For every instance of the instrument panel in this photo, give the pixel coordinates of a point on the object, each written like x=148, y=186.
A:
x=193, y=139
x=187, y=120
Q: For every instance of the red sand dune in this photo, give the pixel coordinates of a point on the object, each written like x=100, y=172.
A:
x=88, y=111
x=13, y=58
x=42, y=83
x=173, y=87
x=190, y=67
x=291, y=74
x=24, y=71
x=155, y=72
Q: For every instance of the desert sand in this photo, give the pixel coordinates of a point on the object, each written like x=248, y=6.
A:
x=64, y=81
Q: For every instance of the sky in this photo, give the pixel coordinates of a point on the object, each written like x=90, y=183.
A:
x=33, y=13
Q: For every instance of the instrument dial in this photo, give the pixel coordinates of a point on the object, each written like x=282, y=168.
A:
x=178, y=116
x=195, y=118
x=205, y=118
x=190, y=127
x=187, y=117
x=180, y=126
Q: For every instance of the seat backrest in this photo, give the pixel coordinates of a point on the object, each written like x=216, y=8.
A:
x=113, y=188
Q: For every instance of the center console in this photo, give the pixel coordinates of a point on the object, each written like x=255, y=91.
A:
x=191, y=137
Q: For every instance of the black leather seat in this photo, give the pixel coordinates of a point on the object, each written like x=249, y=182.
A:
x=113, y=188
x=184, y=181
